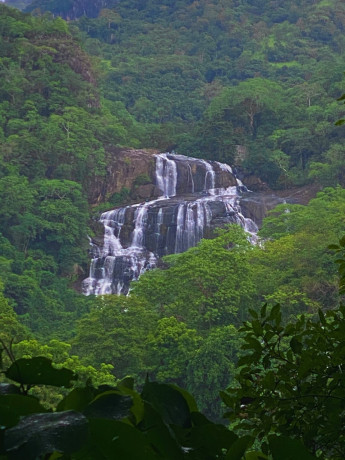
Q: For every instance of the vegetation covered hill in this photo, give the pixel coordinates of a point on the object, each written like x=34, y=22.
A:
x=288, y=399
x=204, y=77
x=251, y=82
x=51, y=133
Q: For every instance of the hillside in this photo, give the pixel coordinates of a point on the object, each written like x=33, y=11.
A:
x=84, y=104
x=244, y=83
x=49, y=116
x=205, y=77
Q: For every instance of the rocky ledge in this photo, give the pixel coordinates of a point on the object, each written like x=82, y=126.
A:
x=129, y=172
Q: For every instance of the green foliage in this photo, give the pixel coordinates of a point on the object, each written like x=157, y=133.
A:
x=171, y=347
x=294, y=266
x=114, y=332
x=52, y=132
x=40, y=379
x=161, y=422
x=214, y=281
x=211, y=368
x=120, y=198
x=205, y=78
x=142, y=179
x=10, y=327
x=291, y=381
x=62, y=218
x=39, y=296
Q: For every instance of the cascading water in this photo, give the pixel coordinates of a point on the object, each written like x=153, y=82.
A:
x=166, y=175
x=196, y=197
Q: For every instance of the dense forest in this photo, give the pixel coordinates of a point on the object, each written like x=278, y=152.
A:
x=204, y=77
x=250, y=83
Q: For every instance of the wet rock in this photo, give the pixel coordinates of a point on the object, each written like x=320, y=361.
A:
x=196, y=197
x=254, y=183
x=256, y=205
x=43, y=433
x=124, y=167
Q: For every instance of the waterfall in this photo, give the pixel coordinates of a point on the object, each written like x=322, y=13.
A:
x=209, y=183
x=190, y=178
x=166, y=175
x=139, y=226
x=196, y=197
x=112, y=221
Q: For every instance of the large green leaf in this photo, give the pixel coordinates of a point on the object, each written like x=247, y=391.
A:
x=137, y=409
x=41, y=434
x=118, y=440
x=110, y=405
x=296, y=345
x=209, y=440
x=39, y=371
x=168, y=402
x=255, y=456
x=283, y=448
x=160, y=435
x=126, y=382
x=238, y=448
x=77, y=399
x=14, y=406
x=187, y=396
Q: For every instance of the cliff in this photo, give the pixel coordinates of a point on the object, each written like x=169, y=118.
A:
x=128, y=171
x=130, y=175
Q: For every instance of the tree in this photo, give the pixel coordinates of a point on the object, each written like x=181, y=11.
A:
x=332, y=171
x=61, y=220
x=115, y=332
x=171, y=346
x=10, y=326
x=247, y=101
x=214, y=282
x=294, y=258
x=60, y=355
x=70, y=140
x=211, y=368
x=291, y=380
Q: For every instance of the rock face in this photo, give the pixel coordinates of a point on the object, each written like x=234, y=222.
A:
x=135, y=172
x=181, y=200
x=129, y=170
x=256, y=205
x=255, y=184
x=195, y=196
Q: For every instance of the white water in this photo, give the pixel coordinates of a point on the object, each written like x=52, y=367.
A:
x=139, y=226
x=166, y=175
x=209, y=184
x=115, y=265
